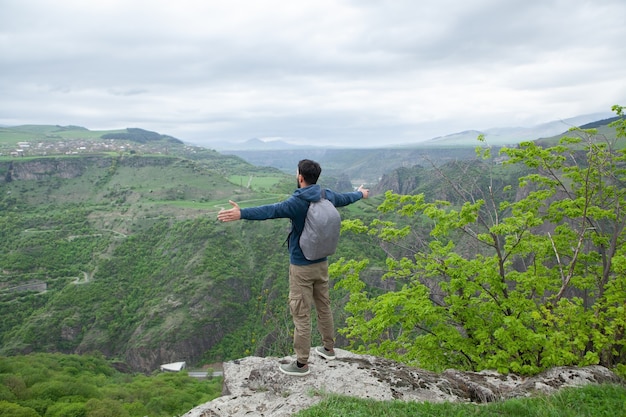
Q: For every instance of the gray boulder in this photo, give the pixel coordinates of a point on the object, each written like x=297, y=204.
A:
x=254, y=386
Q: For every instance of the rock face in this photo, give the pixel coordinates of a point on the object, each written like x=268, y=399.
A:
x=254, y=386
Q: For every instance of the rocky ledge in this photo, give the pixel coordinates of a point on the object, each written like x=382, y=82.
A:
x=254, y=386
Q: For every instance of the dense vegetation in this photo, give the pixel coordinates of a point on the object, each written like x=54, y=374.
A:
x=122, y=254
x=132, y=259
x=515, y=278
x=55, y=385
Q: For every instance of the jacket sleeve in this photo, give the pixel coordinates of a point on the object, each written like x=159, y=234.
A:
x=284, y=209
x=343, y=199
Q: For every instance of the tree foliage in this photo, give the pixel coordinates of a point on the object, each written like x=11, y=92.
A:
x=518, y=278
x=54, y=385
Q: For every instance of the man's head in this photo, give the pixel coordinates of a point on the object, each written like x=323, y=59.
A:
x=310, y=171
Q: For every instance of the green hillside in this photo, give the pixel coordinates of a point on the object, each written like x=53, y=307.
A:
x=604, y=133
x=10, y=136
x=120, y=252
x=114, y=247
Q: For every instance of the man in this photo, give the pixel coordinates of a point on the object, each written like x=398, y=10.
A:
x=308, y=279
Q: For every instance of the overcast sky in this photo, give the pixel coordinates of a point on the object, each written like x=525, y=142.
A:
x=349, y=72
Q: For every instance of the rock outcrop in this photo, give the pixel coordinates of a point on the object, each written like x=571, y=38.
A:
x=254, y=386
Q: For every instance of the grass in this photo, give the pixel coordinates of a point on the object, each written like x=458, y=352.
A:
x=38, y=133
x=588, y=401
x=255, y=182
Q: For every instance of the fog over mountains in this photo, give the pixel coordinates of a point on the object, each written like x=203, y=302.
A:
x=494, y=136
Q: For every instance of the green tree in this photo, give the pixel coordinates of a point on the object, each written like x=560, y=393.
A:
x=66, y=410
x=104, y=408
x=518, y=279
x=8, y=409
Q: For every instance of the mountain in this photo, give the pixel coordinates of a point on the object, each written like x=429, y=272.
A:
x=497, y=136
x=513, y=135
x=257, y=144
x=140, y=136
x=370, y=165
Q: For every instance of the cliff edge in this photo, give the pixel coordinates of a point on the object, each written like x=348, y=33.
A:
x=255, y=386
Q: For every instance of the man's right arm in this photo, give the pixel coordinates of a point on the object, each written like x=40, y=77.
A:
x=284, y=209
x=230, y=214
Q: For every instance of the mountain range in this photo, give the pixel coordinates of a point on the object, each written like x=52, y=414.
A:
x=494, y=136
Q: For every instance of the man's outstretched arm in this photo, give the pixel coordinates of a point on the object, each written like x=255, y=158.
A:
x=230, y=214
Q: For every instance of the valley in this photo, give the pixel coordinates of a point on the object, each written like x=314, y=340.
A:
x=117, y=249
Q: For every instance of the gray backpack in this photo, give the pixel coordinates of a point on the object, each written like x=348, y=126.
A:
x=321, y=229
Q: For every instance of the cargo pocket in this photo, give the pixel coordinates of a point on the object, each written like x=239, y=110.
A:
x=298, y=307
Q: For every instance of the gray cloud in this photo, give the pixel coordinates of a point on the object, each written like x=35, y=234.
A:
x=325, y=71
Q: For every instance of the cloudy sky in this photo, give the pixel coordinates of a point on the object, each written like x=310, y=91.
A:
x=349, y=72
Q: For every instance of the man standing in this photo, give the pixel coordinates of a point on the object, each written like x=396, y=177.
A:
x=308, y=279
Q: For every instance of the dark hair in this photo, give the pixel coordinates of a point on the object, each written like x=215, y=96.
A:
x=310, y=170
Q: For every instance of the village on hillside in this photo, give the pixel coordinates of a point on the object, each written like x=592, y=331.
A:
x=37, y=148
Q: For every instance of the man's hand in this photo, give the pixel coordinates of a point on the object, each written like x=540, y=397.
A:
x=230, y=214
x=364, y=191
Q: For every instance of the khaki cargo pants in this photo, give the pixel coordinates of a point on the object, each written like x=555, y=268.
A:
x=308, y=285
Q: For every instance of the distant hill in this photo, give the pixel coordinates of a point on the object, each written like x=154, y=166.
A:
x=40, y=135
x=140, y=136
x=369, y=165
x=599, y=123
x=345, y=165
x=257, y=144
x=513, y=135
x=497, y=136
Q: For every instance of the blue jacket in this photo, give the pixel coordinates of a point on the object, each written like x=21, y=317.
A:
x=295, y=208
